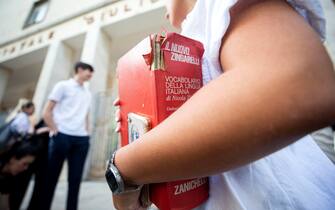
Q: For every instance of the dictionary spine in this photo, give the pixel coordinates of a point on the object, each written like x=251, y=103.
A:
x=157, y=53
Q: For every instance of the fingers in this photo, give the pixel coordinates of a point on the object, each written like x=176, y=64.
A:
x=167, y=16
x=117, y=115
x=145, y=197
x=116, y=102
x=127, y=201
x=53, y=132
x=118, y=127
x=118, y=120
x=42, y=130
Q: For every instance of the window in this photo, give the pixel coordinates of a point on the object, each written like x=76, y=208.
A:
x=37, y=13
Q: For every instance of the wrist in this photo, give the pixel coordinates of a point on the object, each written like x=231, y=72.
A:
x=116, y=181
x=54, y=130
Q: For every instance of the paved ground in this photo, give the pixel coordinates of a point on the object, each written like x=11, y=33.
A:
x=94, y=195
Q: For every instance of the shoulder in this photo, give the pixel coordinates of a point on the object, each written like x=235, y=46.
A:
x=61, y=85
x=269, y=46
x=20, y=116
x=58, y=90
x=271, y=33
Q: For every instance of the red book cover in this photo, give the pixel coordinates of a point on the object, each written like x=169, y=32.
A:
x=155, y=78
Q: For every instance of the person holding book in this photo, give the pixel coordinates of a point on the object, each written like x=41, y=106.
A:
x=268, y=83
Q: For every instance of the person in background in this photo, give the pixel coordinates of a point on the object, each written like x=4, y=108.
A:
x=20, y=156
x=16, y=109
x=268, y=83
x=21, y=123
x=13, y=163
x=66, y=114
x=40, y=139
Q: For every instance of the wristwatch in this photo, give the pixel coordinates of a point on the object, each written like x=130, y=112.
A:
x=115, y=181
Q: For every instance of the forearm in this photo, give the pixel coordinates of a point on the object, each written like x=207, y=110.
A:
x=48, y=118
x=31, y=126
x=222, y=127
x=276, y=88
x=87, y=124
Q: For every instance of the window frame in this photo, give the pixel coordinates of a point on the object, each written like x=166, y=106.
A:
x=29, y=22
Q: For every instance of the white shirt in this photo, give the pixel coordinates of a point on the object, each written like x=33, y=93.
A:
x=72, y=105
x=21, y=123
x=299, y=176
x=213, y=18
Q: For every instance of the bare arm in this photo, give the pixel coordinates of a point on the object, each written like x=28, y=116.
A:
x=48, y=116
x=179, y=10
x=87, y=123
x=278, y=86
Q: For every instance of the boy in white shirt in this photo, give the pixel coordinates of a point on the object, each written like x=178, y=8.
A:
x=66, y=115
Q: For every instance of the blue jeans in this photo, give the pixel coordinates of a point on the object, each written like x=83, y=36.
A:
x=74, y=149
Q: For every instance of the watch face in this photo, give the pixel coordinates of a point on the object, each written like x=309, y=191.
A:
x=111, y=180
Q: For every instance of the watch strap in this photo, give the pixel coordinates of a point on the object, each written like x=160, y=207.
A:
x=122, y=186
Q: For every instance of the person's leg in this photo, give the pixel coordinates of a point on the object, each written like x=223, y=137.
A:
x=19, y=188
x=40, y=177
x=58, y=151
x=76, y=161
x=21, y=181
x=4, y=201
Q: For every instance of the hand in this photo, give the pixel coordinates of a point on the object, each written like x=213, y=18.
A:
x=42, y=130
x=128, y=201
x=53, y=132
x=136, y=200
x=117, y=116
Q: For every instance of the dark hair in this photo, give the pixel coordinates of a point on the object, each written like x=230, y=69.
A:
x=24, y=148
x=27, y=105
x=82, y=65
x=20, y=149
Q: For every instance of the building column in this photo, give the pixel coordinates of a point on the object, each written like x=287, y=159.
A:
x=4, y=77
x=57, y=66
x=96, y=52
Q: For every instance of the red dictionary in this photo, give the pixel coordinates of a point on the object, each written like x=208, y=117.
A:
x=155, y=78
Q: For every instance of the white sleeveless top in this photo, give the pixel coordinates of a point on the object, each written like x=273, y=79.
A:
x=299, y=176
